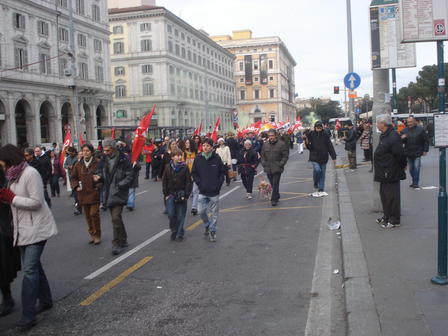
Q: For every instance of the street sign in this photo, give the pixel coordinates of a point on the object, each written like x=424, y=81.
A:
x=358, y=110
x=440, y=130
x=424, y=20
x=385, y=33
x=352, y=80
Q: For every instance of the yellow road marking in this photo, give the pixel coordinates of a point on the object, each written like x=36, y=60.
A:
x=194, y=225
x=103, y=290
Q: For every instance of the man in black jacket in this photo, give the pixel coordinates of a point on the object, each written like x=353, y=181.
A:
x=117, y=176
x=416, y=145
x=208, y=174
x=234, y=147
x=390, y=164
x=350, y=145
x=318, y=142
x=274, y=155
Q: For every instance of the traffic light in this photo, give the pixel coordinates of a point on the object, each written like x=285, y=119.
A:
x=336, y=90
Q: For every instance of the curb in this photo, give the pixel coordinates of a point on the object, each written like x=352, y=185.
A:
x=362, y=317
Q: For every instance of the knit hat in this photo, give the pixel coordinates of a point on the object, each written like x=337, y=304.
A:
x=221, y=139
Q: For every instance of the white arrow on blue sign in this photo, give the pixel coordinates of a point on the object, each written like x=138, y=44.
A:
x=352, y=80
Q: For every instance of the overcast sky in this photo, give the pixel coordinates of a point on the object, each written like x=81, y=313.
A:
x=313, y=30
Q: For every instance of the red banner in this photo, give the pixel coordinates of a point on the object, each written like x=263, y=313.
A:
x=198, y=130
x=67, y=143
x=214, y=135
x=139, y=139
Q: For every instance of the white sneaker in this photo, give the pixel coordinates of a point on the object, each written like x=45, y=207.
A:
x=323, y=193
x=316, y=194
x=388, y=225
x=249, y=196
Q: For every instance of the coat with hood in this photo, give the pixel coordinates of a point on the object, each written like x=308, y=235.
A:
x=117, y=180
x=32, y=219
x=389, y=158
x=274, y=156
x=208, y=174
x=320, y=146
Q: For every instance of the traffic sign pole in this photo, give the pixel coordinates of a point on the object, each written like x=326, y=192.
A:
x=442, y=253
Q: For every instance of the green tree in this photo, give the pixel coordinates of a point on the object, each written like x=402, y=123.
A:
x=329, y=110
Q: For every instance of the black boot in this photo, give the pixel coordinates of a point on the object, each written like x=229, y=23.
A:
x=7, y=305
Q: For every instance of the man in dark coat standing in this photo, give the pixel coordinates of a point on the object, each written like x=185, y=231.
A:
x=117, y=176
x=416, y=145
x=350, y=145
x=389, y=164
x=318, y=142
x=274, y=155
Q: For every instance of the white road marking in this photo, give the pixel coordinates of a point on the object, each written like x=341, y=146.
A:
x=126, y=255
x=139, y=247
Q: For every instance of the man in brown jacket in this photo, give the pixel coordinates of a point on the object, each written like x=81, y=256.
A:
x=88, y=192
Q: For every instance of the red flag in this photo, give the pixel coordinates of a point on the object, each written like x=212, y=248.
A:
x=214, y=135
x=139, y=140
x=67, y=143
x=81, y=140
x=198, y=130
x=113, y=133
x=338, y=125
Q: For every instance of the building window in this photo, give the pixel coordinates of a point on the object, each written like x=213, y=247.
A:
x=271, y=78
x=99, y=75
x=42, y=28
x=242, y=80
x=256, y=79
x=18, y=21
x=271, y=93
x=148, y=89
x=147, y=68
x=177, y=49
x=63, y=35
x=242, y=95
x=195, y=59
x=176, y=33
x=80, y=7
x=83, y=70
x=171, y=70
x=183, y=52
x=241, y=66
x=146, y=45
x=119, y=71
x=255, y=65
x=120, y=91
x=189, y=55
x=118, y=47
x=170, y=46
x=82, y=40
x=20, y=56
x=145, y=27
x=172, y=89
x=98, y=45
x=256, y=94
x=62, y=3
x=271, y=64
x=169, y=28
x=182, y=36
x=62, y=66
x=96, y=14
x=44, y=64
x=118, y=30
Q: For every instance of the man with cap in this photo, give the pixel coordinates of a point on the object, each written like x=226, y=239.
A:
x=274, y=155
x=318, y=142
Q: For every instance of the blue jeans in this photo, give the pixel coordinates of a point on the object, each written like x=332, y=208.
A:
x=131, y=198
x=319, y=175
x=176, y=215
x=35, y=284
x=195, y=196
x=208, y=211
x=414, y=169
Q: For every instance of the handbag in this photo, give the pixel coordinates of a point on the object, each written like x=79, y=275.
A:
x=179, y=196
x=231, y=174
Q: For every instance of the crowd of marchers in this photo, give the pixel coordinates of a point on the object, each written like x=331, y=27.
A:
x=193, y=168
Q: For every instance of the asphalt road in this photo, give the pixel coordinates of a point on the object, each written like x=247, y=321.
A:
x=255, y=280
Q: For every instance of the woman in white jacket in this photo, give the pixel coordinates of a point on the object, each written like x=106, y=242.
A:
x=224, y=152
x=33, y=225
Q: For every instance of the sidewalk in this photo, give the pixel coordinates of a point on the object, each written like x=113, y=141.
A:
x=401, y=261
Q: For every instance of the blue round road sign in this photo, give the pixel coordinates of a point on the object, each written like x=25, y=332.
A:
x=352, y=80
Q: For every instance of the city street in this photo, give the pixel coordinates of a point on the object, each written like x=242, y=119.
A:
x=255, y=280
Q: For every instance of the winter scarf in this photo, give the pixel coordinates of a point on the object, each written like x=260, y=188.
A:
x=14, y=172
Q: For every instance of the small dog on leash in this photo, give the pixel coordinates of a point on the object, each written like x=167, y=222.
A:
x=264, y=190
